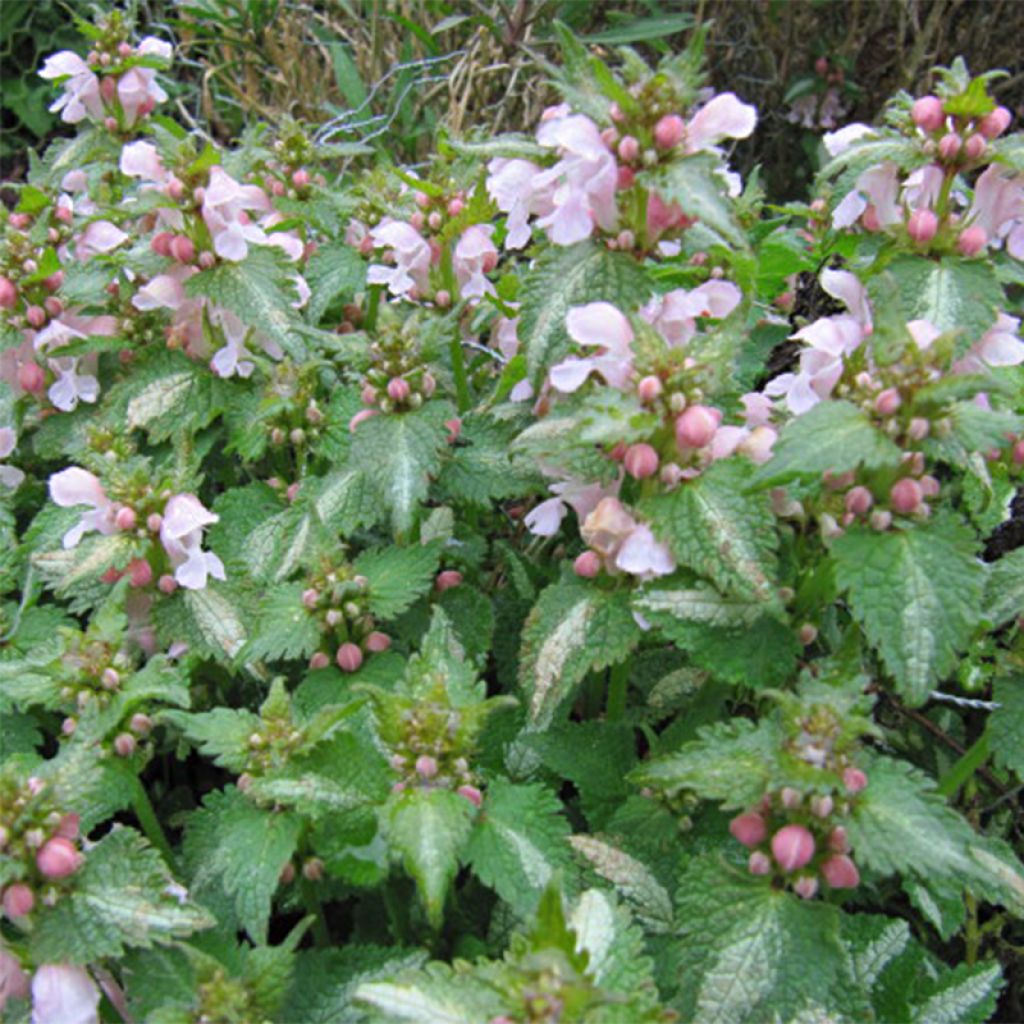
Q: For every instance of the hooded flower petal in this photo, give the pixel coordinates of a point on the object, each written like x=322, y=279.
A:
x=183, y=514
x=62, y=994
x=724, y=117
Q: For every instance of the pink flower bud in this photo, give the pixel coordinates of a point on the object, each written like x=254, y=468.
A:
x=928, y=114
x=182, y=249
x=905, y=496
x=930, y=487
x=918, y=428
x=111, y=679
x=609, y=137
x=58, y=858
x=300, y=179
x=790, y=798
x=759, y=863
x=669, y=131
x=587, y=565
x=428, y=385
x=854, y=780
x=922, y=225
x=626, y=240
x=472, y=794
x=1018, y=453
x=993, y=125
x=8, y=293
x=31, y=378
x=870, y=219
x=53, y=305
x=124, y=744
x=360, y=417
x=972, y=240
x=974, y=146
x=398, y=389
x=69, y=825
x=888, y=402
x=161, y=243
x=949, y=147
x=443, y=299
x=125, y=518
x=641, y=461
x=748, y=829
x=206, y=259
x=840, y=872
x=696, y=426
x=455, y=207
x=140, y=724
x=422, y=200
x=292, y=491
x=615, y=113
x=821, y=66
x=822, y=806
x=806, y=887
x=18, y=900
x=140, y=572
x=108, y=86
x=859, y=500
x=629, y=149
x=447, y=579
x=649, y=389
x=807, y=634
x=792, y=847
x=349, y=657
x=838, y=841
x=20, y=221
x=110, y=123
x=434, y=220
x=377, y=642
x=426, y=766
x=319, y=660
x=310, y=597
x=454, y=429
x=287, y=875
x=36, y=316
x=625, y=178
x=167, y=584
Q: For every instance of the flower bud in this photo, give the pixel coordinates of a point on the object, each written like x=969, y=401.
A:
x=435, y=220
x=125, y=518
x=398, y=389
x=318, y=661
x=928, y=114
x=69, y=825
x=859, y=500
x=377, y=642
x=472, y=794
x=300, y=179
x=930, y=487
x=790, y=798
x=748, y=829
x=669, y=131
x=974, y=146
x=161, y=243
x=641, y=461
x=918, y=428
x=31, y=378
x=310, y=598
x=840, y=872
x=649, y=389
x=888, y=402
x=140, y=572
x=455, y=207
x=53, y=306
x=110, y=679
x=8, y=293
x=426, y=766
x=822, y=806
x=629, y=149
x=18, y=900
x=167, y=584
x=837, y=840
x=140, y=724
x=759, y=863
x=58, y=858
x=854, y=780
x=587, y=565
x=443, y=299
x=206, y=259
x=124, y=744
x=349, y=657
x=36, y=316
x=806, y=887
x=792, y=847
x=447, y=579
x=972, y=240
x=696, y=426
x=922, y=225
x=182, y=249
x=313, y=869
x=108, y=89
x=870, y=219
x=625, y=178
x=807, y=633
x=949, y=147
x=454, y=426
x=1018, y=453
x=993, y=125
x=905, y=496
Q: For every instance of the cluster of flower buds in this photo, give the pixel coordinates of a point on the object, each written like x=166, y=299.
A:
x=270, y=746
x=799, y=838
x=397, y=380
x=295, y=416
x=288, y=172
x=178, y=526
x=427, y=759
x=90, y=672
x=115, y=84
x=310, y=868
x=618, y=543
x=39, y=846
x=338, y=597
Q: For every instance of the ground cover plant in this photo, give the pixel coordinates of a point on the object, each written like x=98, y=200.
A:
x=548, y=584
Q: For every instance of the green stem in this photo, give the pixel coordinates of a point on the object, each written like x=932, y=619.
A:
x=311, y=902
x=150, y=825
x=459, y=370
x=965, y=767
x=370, y=320
x=618, y=684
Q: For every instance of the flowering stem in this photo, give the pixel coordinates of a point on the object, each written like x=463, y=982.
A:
x=150, y=825
x=311, y=902
x=618, y=683
x=459, y=370
x=965, y=767
x=370, y=320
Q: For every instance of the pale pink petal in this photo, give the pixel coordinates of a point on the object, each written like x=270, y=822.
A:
x=924, y=332
x=183, y=514
x=849, y=210
x=141, y=160
x=153, y=47
x=724, y=117
x=77, y=486
x=599, y=323
x=839, y=141
x=569, y=376
x=847, y=288
x=57, y=65
x=641, y=555
x=546, y=518
x=100, y=236
x=163, y=292
x=881, y=185
x=62, y=994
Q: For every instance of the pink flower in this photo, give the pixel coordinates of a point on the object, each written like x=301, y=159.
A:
x=601, y=325
x=642, y=556
x=998, y=346
x=75, y=486
x=13, y=980
x=840, y=141
x=81, y=97
x=624, y=544
x=138, y=90
x=62, y=994
x=878, y=186
x=181, y=534
x=225, y=206
x=510, y=183
x=100, y=236
x=10, y=476
x=998, y=208
x=474, y=254
x=412, y=258
x=723, y=117
x=582, y=498
x=675, y=314
x=142, y=160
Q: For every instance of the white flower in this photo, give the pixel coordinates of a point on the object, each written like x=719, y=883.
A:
x=181, y=534
x=62, y=994
x=76, y=486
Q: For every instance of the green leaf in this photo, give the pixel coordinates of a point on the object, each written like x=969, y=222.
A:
x=398, y=576
x=520, y=842
x=222, y=733
x=700, y=603
x=253, y=291
x=237, y=851
x=966, y=994
x=334, y=270
x=345, y=500
x=716, y=529
x=1004, y=592
x=428, y=829
x=916, y=593
x=122, y=896
x=567, y=276
x=835, y=437
x=215, y=622
x=1005, y=726
x=747, y=951
x=481, y=470
x=404, y=451
x=285, y=628
x=693, y=183
x=572, y=630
